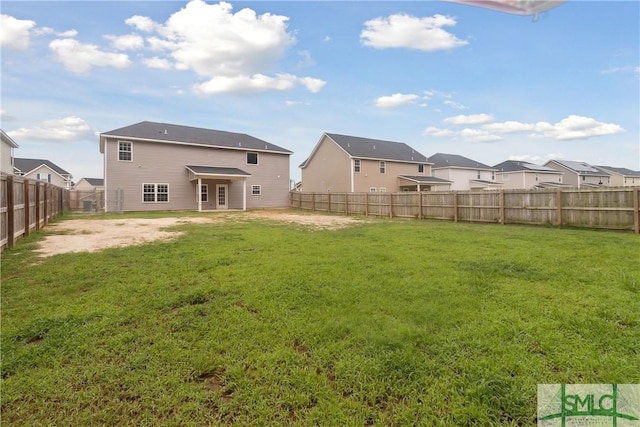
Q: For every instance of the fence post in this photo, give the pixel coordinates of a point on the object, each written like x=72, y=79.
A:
x=636, y=210
x=391, y=205
x=38, y=210
x=346, y=203
x=329, y=200
x=27, y=207
x=455, y=206
x=313, y=202
x=559, y=208
x=10, y=212
x=419, y=204
x=46, y=204
x=501, y=201
x=366, y=204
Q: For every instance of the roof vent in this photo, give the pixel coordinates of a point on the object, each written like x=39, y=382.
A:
x=266, y=147
x=239, y=144
x=374, y=147
x=165, y=132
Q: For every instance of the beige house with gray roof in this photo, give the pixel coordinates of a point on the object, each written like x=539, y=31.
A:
x=580, y=174
x=158, y=166
x=350, y=164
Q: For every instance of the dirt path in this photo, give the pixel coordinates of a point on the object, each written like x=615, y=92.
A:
x=89, y=235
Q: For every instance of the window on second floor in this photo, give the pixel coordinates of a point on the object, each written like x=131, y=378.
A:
x=46, y=177
x=420, y=168
x=125, y=151
x=356, y=165
x=252, y=158
x=477, y=174
x=383, y=167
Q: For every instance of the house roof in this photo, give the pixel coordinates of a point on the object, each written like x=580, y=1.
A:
x=422, y=179
x=442, y=160
x=8, y=139
x=520, y=166
x=581, y=168
x=164, y=132
x=214, y=170
x=620, y=171
x=27, y=165
x=367, y=148
x=96, y=182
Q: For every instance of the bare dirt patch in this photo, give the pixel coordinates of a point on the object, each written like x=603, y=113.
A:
x=90, y=235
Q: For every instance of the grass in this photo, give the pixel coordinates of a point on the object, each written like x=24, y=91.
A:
x=252, y=322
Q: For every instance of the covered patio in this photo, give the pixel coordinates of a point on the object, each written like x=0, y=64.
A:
x=222, y=177
x=422, y=183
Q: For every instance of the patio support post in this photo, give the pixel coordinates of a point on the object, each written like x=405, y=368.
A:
x=244, y=194
x=199, y=194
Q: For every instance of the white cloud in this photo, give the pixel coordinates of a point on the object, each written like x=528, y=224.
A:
x=46, y=30
x=472, y=119
x=294, y=103
x=231, y=50
x=159, y=63
x=257, y=83
x=306, y=59
x=571, y=127
x=142, y=23
x=539, y=160
x=67, y=129
x=478, y=135
x=395, y=100
x=454, y=104
x=126, y=42
x=437, y=132
x=79, y=58
x=14, y=33
x=410, y=32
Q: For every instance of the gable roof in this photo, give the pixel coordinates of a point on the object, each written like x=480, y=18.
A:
x=96, y=182
x=521, y=166
x=620, y=171
x=581, y=168
x=27, y=165
x=368, y=148
x=442, y=160
x=6, y=138
x=169, y=133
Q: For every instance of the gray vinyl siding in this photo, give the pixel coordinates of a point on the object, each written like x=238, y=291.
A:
x=165, y=163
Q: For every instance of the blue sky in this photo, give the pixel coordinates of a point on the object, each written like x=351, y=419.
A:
x=440, y=76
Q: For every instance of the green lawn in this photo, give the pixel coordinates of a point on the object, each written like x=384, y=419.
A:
x=252, y=322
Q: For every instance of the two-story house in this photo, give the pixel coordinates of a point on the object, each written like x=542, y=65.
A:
x=159, y=166
x=580, y=174
x=621, y=177
x=89, y=184
x=43, y=170
x=350, y=164
x=463, y=172
x=516, y=174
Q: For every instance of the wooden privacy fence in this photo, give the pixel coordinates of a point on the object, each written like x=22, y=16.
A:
x=27, y=205
x=610, y=208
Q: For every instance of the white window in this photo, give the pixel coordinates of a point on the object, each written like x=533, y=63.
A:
x=256, y=190
x=46, y=177
x=372, y=189
x=155, y=193
x=252, y=158
x=383, y=189
x=420, y=168
x=505, y=176
x=125, y=151
x=493, y=176
x=356, y=165
x=383, y=167
x=477, y=174
x=204, y=192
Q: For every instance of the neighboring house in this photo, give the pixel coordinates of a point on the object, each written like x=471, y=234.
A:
x=6, y=153
x=43, y=170
x=350, y=164
x=159, y=166
x=464, y=173
x=621, y=177
x=515, y=174
x=90, y=184
x=580, y=174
